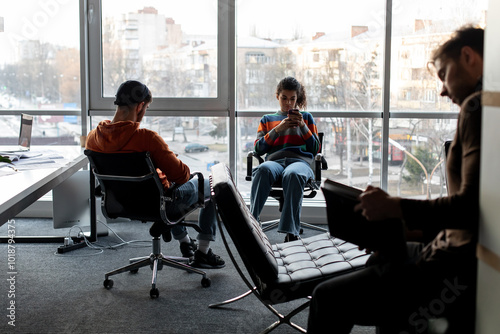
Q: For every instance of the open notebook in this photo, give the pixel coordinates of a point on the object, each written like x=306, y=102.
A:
x=24, y=140
x=351, y=226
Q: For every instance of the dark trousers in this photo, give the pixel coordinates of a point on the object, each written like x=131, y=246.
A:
x=395, y=296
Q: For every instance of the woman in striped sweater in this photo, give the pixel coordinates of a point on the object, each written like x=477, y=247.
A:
x=289, y=141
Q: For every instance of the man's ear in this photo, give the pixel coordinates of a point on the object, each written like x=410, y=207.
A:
x=140, y=110
x=469, y=55
x=472, y=61
x=139, y=107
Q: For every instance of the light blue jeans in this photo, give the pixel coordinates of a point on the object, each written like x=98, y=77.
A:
x=295, y=173
x=185, y=196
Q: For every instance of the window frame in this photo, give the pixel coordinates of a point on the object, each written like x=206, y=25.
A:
x=93, y=104
x=224, y=105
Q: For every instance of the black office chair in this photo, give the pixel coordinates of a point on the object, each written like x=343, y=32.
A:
x=131, y=188
x=310, y=190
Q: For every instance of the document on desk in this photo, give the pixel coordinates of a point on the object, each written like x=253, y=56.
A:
x=15, y=156
x=6, y=162
x=33, y=160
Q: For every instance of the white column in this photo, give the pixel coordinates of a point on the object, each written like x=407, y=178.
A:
x=488, y=294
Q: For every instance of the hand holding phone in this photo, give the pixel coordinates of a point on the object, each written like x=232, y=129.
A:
x=294, y=118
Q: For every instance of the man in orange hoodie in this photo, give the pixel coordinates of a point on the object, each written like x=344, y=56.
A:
x=122, y=134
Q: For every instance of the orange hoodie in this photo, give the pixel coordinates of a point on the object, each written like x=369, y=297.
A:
x=126, y=137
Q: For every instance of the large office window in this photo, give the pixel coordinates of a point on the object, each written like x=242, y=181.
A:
x=170, y=44
x=213, y=66
x=40, y=70
x=178, y=48
x=340, y=54
x=337, y=54
x=421, y=120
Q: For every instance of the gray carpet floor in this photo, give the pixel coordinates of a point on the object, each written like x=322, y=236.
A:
x=64, y=293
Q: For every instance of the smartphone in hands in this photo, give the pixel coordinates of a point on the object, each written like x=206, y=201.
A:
x=293, y=121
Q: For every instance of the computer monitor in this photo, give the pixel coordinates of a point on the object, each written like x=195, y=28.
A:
x=25, y=131
x=24, y=140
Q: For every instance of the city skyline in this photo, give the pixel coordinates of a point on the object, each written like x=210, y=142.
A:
x=43, y=20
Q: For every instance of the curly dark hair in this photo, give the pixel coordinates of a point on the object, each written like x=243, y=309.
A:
x=465, y=36
x=290, y=83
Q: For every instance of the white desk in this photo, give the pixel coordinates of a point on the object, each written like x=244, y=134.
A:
x=21, y=189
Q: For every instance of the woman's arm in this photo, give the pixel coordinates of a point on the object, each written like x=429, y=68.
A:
x=267, y=134
x=310, y=135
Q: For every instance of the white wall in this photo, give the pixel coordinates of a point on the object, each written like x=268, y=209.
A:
x=488, y=296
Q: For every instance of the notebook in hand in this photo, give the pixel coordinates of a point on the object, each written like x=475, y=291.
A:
x=351, y=226
x=24, y=140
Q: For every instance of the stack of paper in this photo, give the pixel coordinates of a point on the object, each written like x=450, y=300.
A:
x=30, y=160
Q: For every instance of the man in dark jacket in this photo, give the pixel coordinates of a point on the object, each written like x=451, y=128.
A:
x=436, y=279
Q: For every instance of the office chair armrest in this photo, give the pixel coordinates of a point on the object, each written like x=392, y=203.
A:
x=250, y=157
x=249, y=166
x=169, y=197
x=324, y=163
x=317, y=167
x=201, y=188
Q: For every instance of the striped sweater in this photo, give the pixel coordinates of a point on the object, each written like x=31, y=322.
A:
x=297, y=142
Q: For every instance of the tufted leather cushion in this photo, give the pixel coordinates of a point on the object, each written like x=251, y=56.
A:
x=281, y=272
x=315, y=256
x=313, y=260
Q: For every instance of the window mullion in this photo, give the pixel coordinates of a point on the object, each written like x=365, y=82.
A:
x=384, y=173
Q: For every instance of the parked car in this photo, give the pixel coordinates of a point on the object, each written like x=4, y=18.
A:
x=195, y=147
x=248, y=146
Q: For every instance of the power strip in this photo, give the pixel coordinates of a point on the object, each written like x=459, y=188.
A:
x=71, y=244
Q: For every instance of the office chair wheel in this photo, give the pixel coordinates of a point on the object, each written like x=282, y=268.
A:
x=108, y=283
x=154, y=293
x=206, y=282
x=134, y=271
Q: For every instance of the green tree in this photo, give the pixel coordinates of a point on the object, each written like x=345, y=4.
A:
x=415, y=172
x=220, y=130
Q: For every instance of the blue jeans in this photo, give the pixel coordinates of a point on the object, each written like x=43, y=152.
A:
x=185, y=196
x=294, y=173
